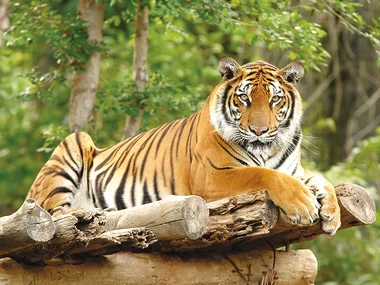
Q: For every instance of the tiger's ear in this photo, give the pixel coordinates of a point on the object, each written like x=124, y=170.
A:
x=229, y=68
x=293, y=72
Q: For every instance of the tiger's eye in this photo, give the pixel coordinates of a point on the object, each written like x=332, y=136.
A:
x=276, y=99
x=244, y=97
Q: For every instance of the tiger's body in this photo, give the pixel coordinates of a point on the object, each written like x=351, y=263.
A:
x=246, y=137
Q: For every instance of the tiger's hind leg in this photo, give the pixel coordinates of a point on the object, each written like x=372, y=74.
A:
x=64, y=174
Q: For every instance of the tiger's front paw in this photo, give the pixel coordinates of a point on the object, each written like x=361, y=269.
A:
x=330, y=211
x=296, y=201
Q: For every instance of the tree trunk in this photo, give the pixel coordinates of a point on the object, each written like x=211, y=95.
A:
x=85, y=83
x=132, y=126
x=352, y=60
x=4, y=20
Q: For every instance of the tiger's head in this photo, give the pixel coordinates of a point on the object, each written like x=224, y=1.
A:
x=257, y=106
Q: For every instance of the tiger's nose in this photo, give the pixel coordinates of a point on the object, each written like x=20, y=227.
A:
x=258, y=131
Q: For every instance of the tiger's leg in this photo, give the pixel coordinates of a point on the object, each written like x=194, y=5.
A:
x=64, y=174
x=287, y=192
x=325, y=193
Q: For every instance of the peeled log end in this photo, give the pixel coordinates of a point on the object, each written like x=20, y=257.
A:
x=28, y=225
x=356, y=202
x=194, y=213
x=39, y=223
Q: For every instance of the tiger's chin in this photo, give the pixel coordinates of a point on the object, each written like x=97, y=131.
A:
x=257, y=146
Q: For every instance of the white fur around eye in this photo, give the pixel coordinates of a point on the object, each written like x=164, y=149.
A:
x=275, y=91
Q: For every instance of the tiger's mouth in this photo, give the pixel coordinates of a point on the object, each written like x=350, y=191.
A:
x=259, y=144
x=256, y=145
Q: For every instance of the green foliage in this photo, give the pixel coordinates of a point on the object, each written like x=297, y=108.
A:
x=53, y=135
x=352, y=256
x=160, y=93
x=66, y=36
x=362, y=165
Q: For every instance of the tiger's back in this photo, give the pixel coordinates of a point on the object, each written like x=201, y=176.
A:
x=246, y=137
x=139, y=170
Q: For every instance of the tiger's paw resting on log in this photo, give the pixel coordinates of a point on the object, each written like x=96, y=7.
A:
x=246, y=137
x=325, y=193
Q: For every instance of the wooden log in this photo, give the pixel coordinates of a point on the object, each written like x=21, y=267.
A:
x=171, y=218
x=30, y=224
x=294, y=267
x=250, y=221
x=99, y=232
x=238, y=223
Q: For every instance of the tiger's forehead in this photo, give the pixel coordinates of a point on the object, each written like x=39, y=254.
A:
x=272, y=86
x=260, y=64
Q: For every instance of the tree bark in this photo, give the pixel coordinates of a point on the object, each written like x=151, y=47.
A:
x=246, y=221
x=4, y=19
x=252, y=221
x=85, y=83
x=292, y=268
x=97, y=232
x=140, y=57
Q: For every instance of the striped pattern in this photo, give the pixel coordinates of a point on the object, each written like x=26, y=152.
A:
x=174, y=159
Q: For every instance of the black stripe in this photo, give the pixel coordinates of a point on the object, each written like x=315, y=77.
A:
x=100, y=194
x=152, y=138
x=236, y=158
x=155, y=186
x=295, y=141
x=55, y=191
x=111, y=155
x=193, y=118
x=147, y=199
x=224, y=102
x=77, y=138
x=291, y=114
x=71, y=167
x=65, y=175
x=294, y=170
x=89, y=167
x=56, y=158
x=167, y=127
x=69, y=152
x=172, y=179
x=120, y=204
x=218, y=168
x=100, y=178
x=133, y=187
x=181, y=128
x=59, y=190
x=308, y=180
x=252, y=73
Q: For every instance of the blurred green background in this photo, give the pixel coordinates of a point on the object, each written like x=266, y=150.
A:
x=338, y=41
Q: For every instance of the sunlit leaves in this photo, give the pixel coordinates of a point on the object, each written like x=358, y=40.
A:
x=65, y=35
x=160, y=93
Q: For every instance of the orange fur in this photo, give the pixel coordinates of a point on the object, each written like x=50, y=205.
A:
x=214, y=153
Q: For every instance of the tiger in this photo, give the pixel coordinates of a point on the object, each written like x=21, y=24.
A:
x=246, y=137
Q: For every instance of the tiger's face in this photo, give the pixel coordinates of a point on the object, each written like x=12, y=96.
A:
x=257, y=106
